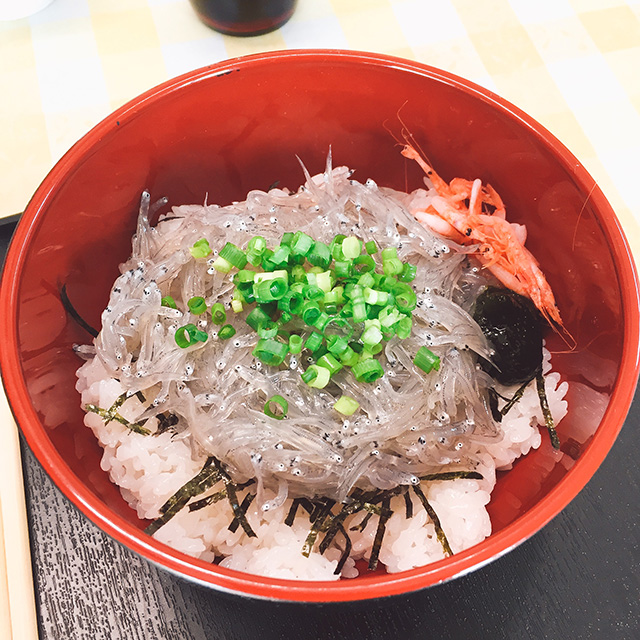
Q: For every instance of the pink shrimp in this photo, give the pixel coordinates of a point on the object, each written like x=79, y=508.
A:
x=500, y=245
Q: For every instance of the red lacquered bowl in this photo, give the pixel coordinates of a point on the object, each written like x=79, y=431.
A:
x=238, y=125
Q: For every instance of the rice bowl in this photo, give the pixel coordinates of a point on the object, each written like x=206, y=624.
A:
x=541, y=486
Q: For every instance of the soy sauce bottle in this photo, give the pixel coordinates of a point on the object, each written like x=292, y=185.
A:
x=244, y=17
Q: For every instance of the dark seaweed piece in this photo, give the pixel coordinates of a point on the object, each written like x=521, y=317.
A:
x=204, y=502
x=452, y=475
x=320, y=513
x=108, y=417
x=246, y=503
x=514, y=327
x=442, y=538
x=382, y=524
x=408, y=505
x=548, y=418
x=346, y=552
x=70, y=309
x=205, y=479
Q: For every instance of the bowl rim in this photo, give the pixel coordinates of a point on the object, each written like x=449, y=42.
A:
x=365, y=587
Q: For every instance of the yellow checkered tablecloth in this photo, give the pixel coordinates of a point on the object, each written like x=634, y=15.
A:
x=574, y=65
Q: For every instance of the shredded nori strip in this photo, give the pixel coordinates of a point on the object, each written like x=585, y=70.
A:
x=365, y=521
x=345, y=553
x=320, y=514
x=516, y=397
x=233, y=499
x=70, y=309
x=293, y=510
x=548, y=418
x=452, y=475
x=246, y=503
x=205, y=479
x=382, y=524
x=337, y=522
x=204, y=502
x=408, y=505
x=442, y=538
x=137, y=427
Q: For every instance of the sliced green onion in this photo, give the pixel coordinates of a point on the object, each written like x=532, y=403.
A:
x=236, y=306
x=324, y=281
x=218, y=313
x=295, y=343
x=408, y=272
x=291, y=302
x=342, y=268
x=321, y=321
x=268, y=330
x=351, y=247
x=371, y=296
x=349, y=357
x=426, y=360
x=189, y=335
x=312, y=292
x=320, y=255
x=359, y=311
x=310, y=312
x=298, y=274
x=168, y=301
x=301, y=244
x=257, y=318
x=367, y=280
x=388, y=317
x=200, y=248
x=257, y=244
x=329, y=362
x=269, y=290
x=226, y=332
x=276, y=407
x=346, y=405
x=233, y=255
x=316, y=376
x=337, y=344
x=281, y=255
x=222, y=265
x=313, y=342
x=244, y=276
x=197, y=305
x=271, y=352
x=364, y=263
x=403, y=327
x=372, y=334
x=287, y=238
x=392, y=267
x=271, y=275
x=406, y=298
x=368, y=370
x=371, y=247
